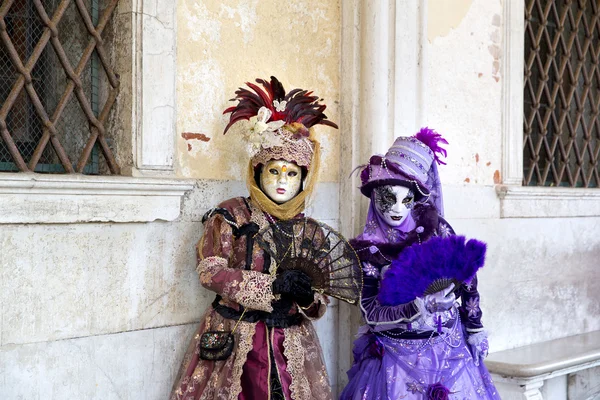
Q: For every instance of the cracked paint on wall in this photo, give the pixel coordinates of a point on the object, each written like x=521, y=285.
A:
x=495, y=46
x=222, y=44
x=444, y=15
x=463, y=95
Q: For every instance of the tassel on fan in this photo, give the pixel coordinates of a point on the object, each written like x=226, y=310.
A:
x=317, y=250
x=430, y=267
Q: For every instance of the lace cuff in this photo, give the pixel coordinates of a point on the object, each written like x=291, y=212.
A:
x=317, y=309
x=476, y=339
x=255, y=291
x=209, y=267
x=479, y=346
x=250, y=289
x=429, y=320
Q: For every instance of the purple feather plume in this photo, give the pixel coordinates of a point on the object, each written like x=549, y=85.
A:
x=432, y=139
x=419, y=266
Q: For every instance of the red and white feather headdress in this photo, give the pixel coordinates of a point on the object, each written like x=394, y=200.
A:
x=280, y=121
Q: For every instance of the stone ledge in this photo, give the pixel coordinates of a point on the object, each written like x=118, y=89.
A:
x=37, y=198
x=547, y=202
x=539, y=371
x=480, y=201
x=557, y=357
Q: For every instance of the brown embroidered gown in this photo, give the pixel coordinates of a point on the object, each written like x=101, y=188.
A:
x=276, y=353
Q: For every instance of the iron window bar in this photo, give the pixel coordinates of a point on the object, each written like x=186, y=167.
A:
x=94, y=55
x=562, y=93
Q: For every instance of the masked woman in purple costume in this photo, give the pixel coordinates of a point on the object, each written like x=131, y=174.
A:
x=433, y=346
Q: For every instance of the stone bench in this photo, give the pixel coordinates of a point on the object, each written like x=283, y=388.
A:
x=521, y=373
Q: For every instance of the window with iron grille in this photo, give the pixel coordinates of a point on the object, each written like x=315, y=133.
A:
x=57, y=86
x=562, y=93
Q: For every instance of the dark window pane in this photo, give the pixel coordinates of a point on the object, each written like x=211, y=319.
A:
x=561, y=94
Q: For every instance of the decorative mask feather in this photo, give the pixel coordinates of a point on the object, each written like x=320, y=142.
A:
x=432, y=139
x=298, y=105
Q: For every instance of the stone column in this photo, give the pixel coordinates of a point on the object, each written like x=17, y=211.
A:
x=381, y=98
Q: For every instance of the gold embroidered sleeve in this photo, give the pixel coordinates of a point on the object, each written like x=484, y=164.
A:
x=251, y=289
x=217, y=239
x=208, y=268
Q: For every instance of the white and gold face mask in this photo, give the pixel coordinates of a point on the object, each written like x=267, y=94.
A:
x=281, y=180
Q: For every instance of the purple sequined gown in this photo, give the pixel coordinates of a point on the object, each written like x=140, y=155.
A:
x=396, y=357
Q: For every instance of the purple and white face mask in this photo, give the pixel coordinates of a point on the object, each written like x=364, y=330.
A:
x=393, y=203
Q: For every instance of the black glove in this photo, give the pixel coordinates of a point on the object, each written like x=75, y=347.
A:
x=296, y=285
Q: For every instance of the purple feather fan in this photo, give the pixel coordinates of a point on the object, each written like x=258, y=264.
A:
x=425, y=268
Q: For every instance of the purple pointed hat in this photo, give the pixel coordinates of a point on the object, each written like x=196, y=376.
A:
x=409, y=162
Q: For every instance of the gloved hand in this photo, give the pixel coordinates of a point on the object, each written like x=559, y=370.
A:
x=478, y=343
x=440, y=301
x=296, y=285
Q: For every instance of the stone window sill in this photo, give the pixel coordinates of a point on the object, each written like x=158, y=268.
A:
x=36, y=198
x=547, y=202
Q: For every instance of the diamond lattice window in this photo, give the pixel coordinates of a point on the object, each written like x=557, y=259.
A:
x=57, y=86
x=562, y=93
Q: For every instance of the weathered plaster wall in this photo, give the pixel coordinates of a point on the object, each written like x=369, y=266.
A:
x=222, y=44
x=115, y=304
x=447, y=16
x=463, y=91
x=95, y=311
x=541, y=280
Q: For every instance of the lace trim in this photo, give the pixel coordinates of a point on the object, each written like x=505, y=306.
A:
x=428, y=320
x=322, y=302
x=209, y=267
x=230, y=288
x=212, y=386
x=258, y=217
x=255, y=291
x=225, y=239
x=179, y=394
x=297, y=151
x=476, y=339
x=294, y=352
x=244, y=337
x=320, y=384
x=191, y=383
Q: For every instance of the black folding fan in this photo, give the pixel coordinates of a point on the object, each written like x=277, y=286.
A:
x=317, y=250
